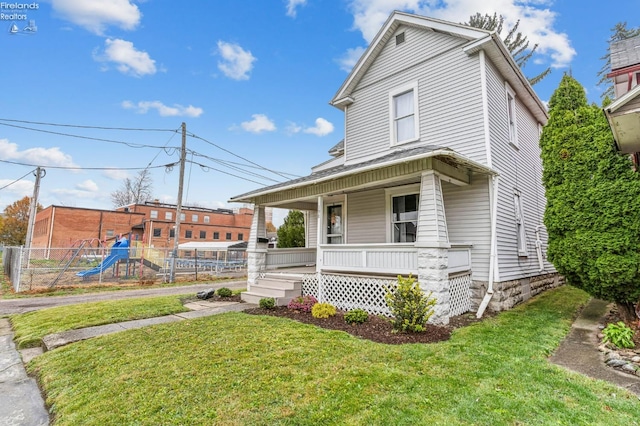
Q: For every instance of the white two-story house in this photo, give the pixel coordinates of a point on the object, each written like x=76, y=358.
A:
x=438, y=176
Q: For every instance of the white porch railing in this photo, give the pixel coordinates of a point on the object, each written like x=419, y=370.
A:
x=283, y=258
x=395, y=259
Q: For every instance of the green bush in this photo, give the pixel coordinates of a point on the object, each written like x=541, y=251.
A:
x=410, y=307
x=323, y=310
x=267, y=303
x=619, y=335
x=224, y=292
x=356, y=316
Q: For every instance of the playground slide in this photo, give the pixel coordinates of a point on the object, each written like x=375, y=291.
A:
x=118, y=251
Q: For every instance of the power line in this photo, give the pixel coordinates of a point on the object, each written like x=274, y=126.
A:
x=237, y=168
x=79, y=126
x=206, y=168
x=129, y=144
x=90, y=168
x=17, y=180
x=236, y=155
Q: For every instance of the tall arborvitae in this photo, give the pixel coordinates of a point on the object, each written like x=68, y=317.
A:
x=593, y=201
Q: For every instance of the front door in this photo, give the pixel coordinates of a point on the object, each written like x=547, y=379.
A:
x=335, y=224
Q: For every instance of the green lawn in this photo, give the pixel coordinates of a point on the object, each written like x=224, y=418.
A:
x=31, y=327
x=241, y=369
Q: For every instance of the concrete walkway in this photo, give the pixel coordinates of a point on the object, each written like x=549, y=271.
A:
x=579, y=350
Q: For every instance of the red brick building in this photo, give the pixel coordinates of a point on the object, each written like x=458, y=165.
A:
x=151, y=222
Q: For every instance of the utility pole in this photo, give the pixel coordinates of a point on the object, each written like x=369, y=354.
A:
x=176, y=235
x=33, y=210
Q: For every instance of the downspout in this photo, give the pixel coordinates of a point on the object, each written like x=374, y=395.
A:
x=492, y=256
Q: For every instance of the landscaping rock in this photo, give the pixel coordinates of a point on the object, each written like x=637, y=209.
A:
x=206, y=294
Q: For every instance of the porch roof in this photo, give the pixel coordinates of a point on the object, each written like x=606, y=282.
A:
x=444, y=160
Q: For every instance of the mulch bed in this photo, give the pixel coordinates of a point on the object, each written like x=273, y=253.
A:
x=376, y=328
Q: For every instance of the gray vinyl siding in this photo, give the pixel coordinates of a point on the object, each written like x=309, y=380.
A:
x=520, y=170
x=632, y=105
x=367, y=217
x=468, y=211
x=449, y=96
x=312, y=229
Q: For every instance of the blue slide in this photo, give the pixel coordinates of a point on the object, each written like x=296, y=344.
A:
x=120, y=250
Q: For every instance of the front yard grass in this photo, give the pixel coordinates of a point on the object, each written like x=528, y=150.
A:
x=31, y=327
x=244, y=369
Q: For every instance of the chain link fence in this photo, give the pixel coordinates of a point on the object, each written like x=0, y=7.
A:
x=41, y=269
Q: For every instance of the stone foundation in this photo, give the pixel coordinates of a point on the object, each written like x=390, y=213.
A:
x=507, y=294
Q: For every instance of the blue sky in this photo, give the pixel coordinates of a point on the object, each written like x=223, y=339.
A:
x=251, y=77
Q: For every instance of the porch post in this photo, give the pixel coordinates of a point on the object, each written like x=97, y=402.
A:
x=432, y=242
x=256, y=246
x=319, y=241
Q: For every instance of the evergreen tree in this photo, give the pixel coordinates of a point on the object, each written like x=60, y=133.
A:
x=515, y=41
x=593, y=201
x=291, y=232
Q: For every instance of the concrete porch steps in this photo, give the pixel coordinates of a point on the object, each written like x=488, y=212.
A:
x=281, y=287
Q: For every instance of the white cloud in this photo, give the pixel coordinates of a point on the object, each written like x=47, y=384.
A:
x=176, y=110
x=116, y=174
x=127, y=58
x=97, y=15
x=348, y=60
x=292, y=5
x=37, y=156
x=322, y=128
x=260, y=123
x=236, y=62
x=87, y=185
x=536, y=20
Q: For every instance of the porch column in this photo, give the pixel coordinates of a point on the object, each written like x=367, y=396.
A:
x=257, y=246
x=320, y=221
x=432, y=242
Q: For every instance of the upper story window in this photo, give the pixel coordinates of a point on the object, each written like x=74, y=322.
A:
x=240, y=236
x=153, y=214
x=511, y=116
x=404, y=114
x=194, y=218
x=203, y=235
x=216, y=235
x=157, y=232
x=188, y=234
x=228, y=235
x=206, y=219
x=182, y=217
x=168, y=215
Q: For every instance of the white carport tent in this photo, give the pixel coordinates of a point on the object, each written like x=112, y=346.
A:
x=221, y=249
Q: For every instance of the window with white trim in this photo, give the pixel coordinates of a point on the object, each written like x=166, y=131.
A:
x=168, y=215
x=511, y=116
x=153, y=214
x=206, y=219
x=404, y=218
x=404, y=114
x=520, y=231
x=194, y=218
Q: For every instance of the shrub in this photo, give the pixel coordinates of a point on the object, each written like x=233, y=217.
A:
x=410, y=307
x=267, y=303
x=225, y=292
x=323, y=310
x=619, y=335
x=302, y=303
x=356, y=316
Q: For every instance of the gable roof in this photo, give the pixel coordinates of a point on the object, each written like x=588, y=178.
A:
x=478, y=39
x=624, y=123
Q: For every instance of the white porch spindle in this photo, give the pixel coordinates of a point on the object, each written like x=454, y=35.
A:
x=432, y=242
x=257, y=246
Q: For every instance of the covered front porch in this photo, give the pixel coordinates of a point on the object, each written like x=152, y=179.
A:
x=364, y=227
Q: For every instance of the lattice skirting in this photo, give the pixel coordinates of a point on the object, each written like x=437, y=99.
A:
x=351, y=292
x=460, y=291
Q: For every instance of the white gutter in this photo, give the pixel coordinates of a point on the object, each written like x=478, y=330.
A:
x=492, y=256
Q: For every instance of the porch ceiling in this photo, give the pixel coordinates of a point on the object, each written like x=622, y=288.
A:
x=400, y=166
